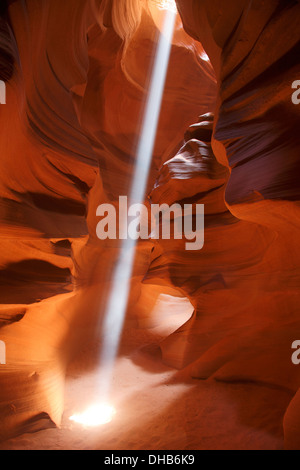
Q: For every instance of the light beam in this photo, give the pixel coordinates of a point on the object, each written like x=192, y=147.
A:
x=118, y=297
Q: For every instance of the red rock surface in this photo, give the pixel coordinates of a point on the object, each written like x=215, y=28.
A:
x=227, y=138
x=254, y=47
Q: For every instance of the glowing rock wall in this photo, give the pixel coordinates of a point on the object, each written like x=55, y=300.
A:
x=69, y=133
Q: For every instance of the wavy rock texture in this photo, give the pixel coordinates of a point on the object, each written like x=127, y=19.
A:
x=69, y=133
x=246, y=302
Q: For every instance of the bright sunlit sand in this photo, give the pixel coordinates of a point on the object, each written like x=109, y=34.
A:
x=94, y=416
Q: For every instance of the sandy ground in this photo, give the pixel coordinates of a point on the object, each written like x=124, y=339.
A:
x=158, y=410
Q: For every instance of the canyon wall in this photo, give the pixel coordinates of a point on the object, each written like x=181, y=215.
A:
x=227, y=138
x=69, y=133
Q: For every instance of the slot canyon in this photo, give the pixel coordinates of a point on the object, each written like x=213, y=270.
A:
x=199, y=342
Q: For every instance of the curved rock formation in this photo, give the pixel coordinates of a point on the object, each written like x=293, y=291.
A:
x=76, y=76
x=69, y=133
x=254, y=47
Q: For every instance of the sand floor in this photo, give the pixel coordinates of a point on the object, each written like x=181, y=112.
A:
x=157, y=410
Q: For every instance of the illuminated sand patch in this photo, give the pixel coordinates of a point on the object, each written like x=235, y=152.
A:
x=96, y=415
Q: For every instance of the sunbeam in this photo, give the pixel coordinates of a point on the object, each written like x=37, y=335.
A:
x=118, y=297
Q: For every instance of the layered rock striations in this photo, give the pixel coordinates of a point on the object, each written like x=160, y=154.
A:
x=246, y=312
x=75, y=98
x=69, y=133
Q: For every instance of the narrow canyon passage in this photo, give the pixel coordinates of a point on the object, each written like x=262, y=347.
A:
x=149, y=224
x=159, y=408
